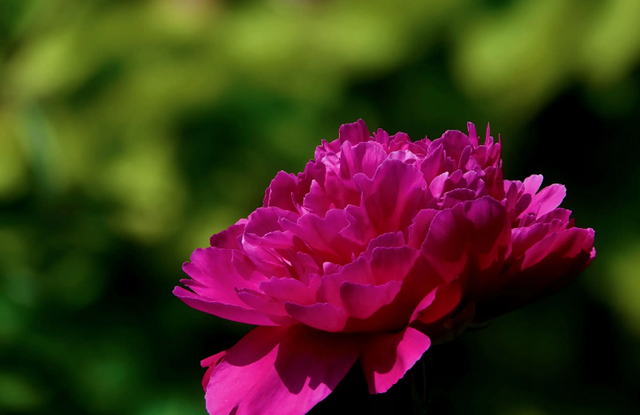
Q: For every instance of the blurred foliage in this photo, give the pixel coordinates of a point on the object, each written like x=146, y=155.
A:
x=132, y=130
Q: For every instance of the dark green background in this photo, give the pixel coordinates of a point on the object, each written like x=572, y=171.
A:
x=130, y=131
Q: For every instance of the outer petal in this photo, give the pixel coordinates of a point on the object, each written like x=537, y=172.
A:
x=210, y=363
x=279, y=371
x=438, y=303
x=354, y=133
x=232, y=312
x=546, y=200
x=228, y=238
x=281, y=190
x=214, y=275
x=387, y=357
x=546, y=267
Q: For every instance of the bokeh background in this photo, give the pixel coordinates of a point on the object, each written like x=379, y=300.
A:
x=130, y=131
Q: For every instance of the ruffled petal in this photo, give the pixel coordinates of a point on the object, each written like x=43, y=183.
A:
x=322, y=316
x=547, y=266
x=446, y=243
x=392, y=264
x=489, y=231
x=354, y=133
x=228, y=239
x=438, y=303
x=210, y=363
x=214, y=275
x=289, y=289
x=361, y=158
x=387, y=357
x=394, y=195
x=420, y=226
x=362, y=301
x=279, y=371
x=240, y=314
x=358, y=272
x=323, y=236
x=546, y=200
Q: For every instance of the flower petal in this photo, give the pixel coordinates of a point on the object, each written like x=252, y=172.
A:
x=279, y=371
x=392, y=264
x=438, y=303
x=394, y=195
x=387, y=357
x=322, y=316
x=546, y=200
x=232, y=312
x=362, y=301
x=547, y=266
x=215, y=276
x=354, y=133
x=280, y=191
x=228, y=239
x=446, y=243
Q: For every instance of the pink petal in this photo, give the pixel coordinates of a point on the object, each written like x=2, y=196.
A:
x=317, y=201
x=280, y=191
x=354, y=133
x=289, y=289
x=490, y=230
x=358, y=271
x=494, y=182
x=232, y=312
x=420, y=226
x=438, y=303
x=394, y=195
x=322, y=316
x=262, y=302
x=473, y=134
x=361, y=158
x=228, y=239
x=382, y=137
x=547, y=266
x=456, y=196
x=524, y=238
x=387, y=357
x=531, y=184
x=453, y=143
x=432, y=165
x=210, y=363
x=392, y=264
x=386, y=240
x=362, y=301
x=284, y=371
x=214, y=275
x=445, y=246
x=360, y=229
x=323, y=234
x=547, y=200
x=264, y=221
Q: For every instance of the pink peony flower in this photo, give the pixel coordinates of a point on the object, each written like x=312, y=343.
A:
x=379, y=248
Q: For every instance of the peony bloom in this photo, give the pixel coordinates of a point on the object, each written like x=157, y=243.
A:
x=379, y=248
